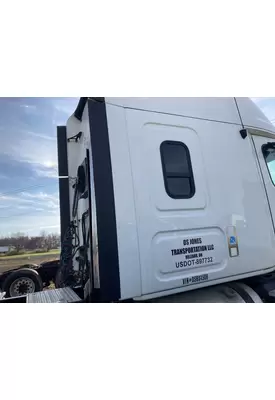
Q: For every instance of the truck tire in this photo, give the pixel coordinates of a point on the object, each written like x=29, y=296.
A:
x=22, y=282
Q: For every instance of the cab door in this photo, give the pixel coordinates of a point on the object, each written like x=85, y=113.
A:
x=182, y=240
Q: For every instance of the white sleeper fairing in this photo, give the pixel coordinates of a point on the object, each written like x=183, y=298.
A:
x=180, y=193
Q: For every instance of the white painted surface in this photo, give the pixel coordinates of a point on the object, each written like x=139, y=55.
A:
x=128, y=248
x=229, y=191
x=212, y=108
x=221, y=109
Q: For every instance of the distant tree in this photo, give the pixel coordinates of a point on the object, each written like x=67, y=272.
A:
x=5, y=241
x=34, y=243
x=21, y=241
x=50, y=241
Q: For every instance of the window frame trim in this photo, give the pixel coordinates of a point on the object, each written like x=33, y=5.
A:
x=166, y=175
x=262, y=148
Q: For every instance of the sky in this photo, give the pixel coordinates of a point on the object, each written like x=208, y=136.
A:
x=29, y=197
x=267, y=105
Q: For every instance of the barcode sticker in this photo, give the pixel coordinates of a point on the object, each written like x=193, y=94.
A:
x=195, y=279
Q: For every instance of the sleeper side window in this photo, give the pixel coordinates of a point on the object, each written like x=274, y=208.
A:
x=269, y=156
x=177, y=170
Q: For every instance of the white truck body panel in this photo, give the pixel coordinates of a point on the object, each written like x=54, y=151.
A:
x=222, y=109
x=167, y=245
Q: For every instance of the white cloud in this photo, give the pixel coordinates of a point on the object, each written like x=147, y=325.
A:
x=32, y=225
x=20, y=207
x=27, y=106
x=40, y=154
x=48, y=170
x=6, y=198
x=39, y=150
x=40, y=196
x=29, y=212
x=47, y=228
x=31, y=202
x=66, y=106
x=40, y=136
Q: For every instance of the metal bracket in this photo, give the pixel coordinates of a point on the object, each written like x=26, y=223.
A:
x=72, y=180
x=75, y=138
x=243, y=133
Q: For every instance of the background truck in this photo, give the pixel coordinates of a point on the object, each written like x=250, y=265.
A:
x=167, y=199
x=28, y=278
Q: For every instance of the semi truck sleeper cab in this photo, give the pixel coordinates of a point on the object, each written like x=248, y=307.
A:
x=164, y=196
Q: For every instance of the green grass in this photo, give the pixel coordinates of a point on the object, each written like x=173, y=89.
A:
x=31, y=255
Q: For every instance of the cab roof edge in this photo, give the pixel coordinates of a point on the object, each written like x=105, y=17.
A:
x=81, y=105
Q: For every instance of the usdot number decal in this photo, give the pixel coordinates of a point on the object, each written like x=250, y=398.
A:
x=198, y=261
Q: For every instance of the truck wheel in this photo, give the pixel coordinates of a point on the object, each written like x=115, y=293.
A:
x=22, y=282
